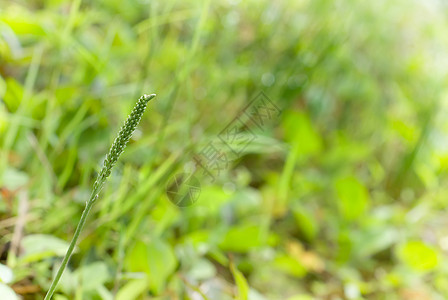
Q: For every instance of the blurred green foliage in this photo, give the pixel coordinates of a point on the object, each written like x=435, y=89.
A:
x=340, y=197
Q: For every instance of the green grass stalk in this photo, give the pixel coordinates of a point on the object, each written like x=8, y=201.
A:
x=112, y=157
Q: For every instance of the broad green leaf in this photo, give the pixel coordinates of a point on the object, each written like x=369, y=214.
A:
x=202, y=269
x=374, y=240
x=289, y=265
x=156, y=259
x=299, y=129
x=22, y=24
x=213, y=198
x=241, y=283
x=353, y=197
x=14, y=179
x=242, y=238
x=132, y=289
x=93, y=275
x=199, y=238
x=418, y=256
x=40, y=246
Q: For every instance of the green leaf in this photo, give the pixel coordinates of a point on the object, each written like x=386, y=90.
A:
x=242, y=238
x=353, y=198
x=23, y=24
x=418, y=256
x=93, y=275
x=132, y=289
x=40, y=246
x=14, y=179
x=374, y=240
x=299, y=130
x=289, y=265
x=241, y=283
x=202, y=269
x=156, y=259
x=213, y=198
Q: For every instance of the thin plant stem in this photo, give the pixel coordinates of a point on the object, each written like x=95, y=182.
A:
x=115, y=151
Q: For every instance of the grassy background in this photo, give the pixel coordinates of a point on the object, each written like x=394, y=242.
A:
x=342, y=196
